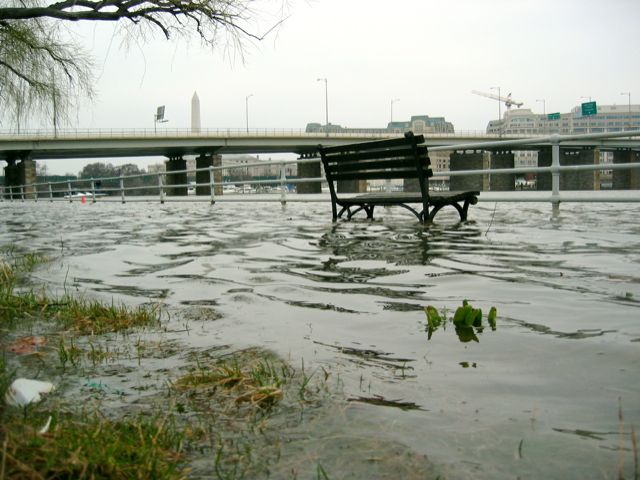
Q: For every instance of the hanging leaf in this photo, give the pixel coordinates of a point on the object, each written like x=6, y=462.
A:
x=434, y=320
x=433, y=317
x=491, y=318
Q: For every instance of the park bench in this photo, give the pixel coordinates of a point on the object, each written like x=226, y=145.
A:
x=405, y=158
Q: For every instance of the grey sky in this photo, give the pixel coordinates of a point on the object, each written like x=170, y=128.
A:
x=429, y=54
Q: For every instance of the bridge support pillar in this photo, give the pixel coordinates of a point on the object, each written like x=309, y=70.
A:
x=351, y=186
x=176, y=182
x=466, y=161
x=11, y=178
x=206, y=161
x=578, y=180
x=626, y=179
x=309, y=170
x=411, y=185
x=543, y=179
x=20, y=173
x=503, y=182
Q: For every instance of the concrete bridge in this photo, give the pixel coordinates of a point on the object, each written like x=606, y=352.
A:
x=41, y=145
x=21, y=150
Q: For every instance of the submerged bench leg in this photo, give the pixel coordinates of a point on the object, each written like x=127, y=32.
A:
x=462, y=211
x=334, y=210
x=369, y=211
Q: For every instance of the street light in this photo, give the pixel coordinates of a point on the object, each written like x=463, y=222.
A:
x=392, y=102
x=544, y=112
x=326, y=100
x=628, y=94
x=246, y=107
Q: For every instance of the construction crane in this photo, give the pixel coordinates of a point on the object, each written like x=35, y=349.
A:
x=508, y=101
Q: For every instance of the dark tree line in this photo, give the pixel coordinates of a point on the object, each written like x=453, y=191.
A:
x=109, y=176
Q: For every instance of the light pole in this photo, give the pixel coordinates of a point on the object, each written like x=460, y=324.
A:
x=392, y=102
x=589, y=119
x=544, y=112
x=326, y=100
x=246, y=109
x=628, y=94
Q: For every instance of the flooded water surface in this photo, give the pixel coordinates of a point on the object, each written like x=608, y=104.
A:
x=538, y=397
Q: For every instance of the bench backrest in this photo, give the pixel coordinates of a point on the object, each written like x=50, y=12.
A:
x=379, y=160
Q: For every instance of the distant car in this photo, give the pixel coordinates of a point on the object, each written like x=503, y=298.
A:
x=84, y=194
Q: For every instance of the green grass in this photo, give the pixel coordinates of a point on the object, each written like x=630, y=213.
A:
x=76, y=446
x=86, y=317
x=247, y=378
x=91, y=317
x=92, y=447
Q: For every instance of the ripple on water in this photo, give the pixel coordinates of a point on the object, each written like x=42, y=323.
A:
x=349, y=297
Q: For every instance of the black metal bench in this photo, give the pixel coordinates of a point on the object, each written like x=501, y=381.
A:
x=400, y=158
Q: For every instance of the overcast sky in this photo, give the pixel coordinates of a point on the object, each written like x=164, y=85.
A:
x=428, y=54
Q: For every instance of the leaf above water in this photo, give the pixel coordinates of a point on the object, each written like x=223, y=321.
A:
x=465, y=319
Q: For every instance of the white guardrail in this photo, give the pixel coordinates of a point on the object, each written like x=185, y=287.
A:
x=280, y=187
x=74, y=133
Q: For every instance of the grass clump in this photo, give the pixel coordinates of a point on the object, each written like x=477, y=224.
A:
x=91, y=317
x=85, y=317
x=252, y=379
x=93, y=448
x=15, y=305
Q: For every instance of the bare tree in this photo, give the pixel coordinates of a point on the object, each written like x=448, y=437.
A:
x=42, y=72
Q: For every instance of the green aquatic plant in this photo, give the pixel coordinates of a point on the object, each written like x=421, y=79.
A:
x=467, y=321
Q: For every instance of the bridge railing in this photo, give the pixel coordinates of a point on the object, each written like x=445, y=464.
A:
x=279, y=186
x=169, y=186
x=44, y=134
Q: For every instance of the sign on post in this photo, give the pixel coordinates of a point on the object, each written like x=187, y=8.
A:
x=160, y=113
x=553, y=116
x=589, y=108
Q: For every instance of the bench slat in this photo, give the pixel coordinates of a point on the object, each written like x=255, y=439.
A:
x=357, y=155
x=376, y=175
x=373, y=145
x=374, y=165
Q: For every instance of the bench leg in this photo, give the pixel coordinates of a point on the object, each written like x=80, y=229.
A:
x=462, y=211
x=369, y=211
x=465, y=209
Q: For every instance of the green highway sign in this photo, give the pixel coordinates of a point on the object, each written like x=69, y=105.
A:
x=553, y=116
x=589, y=108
